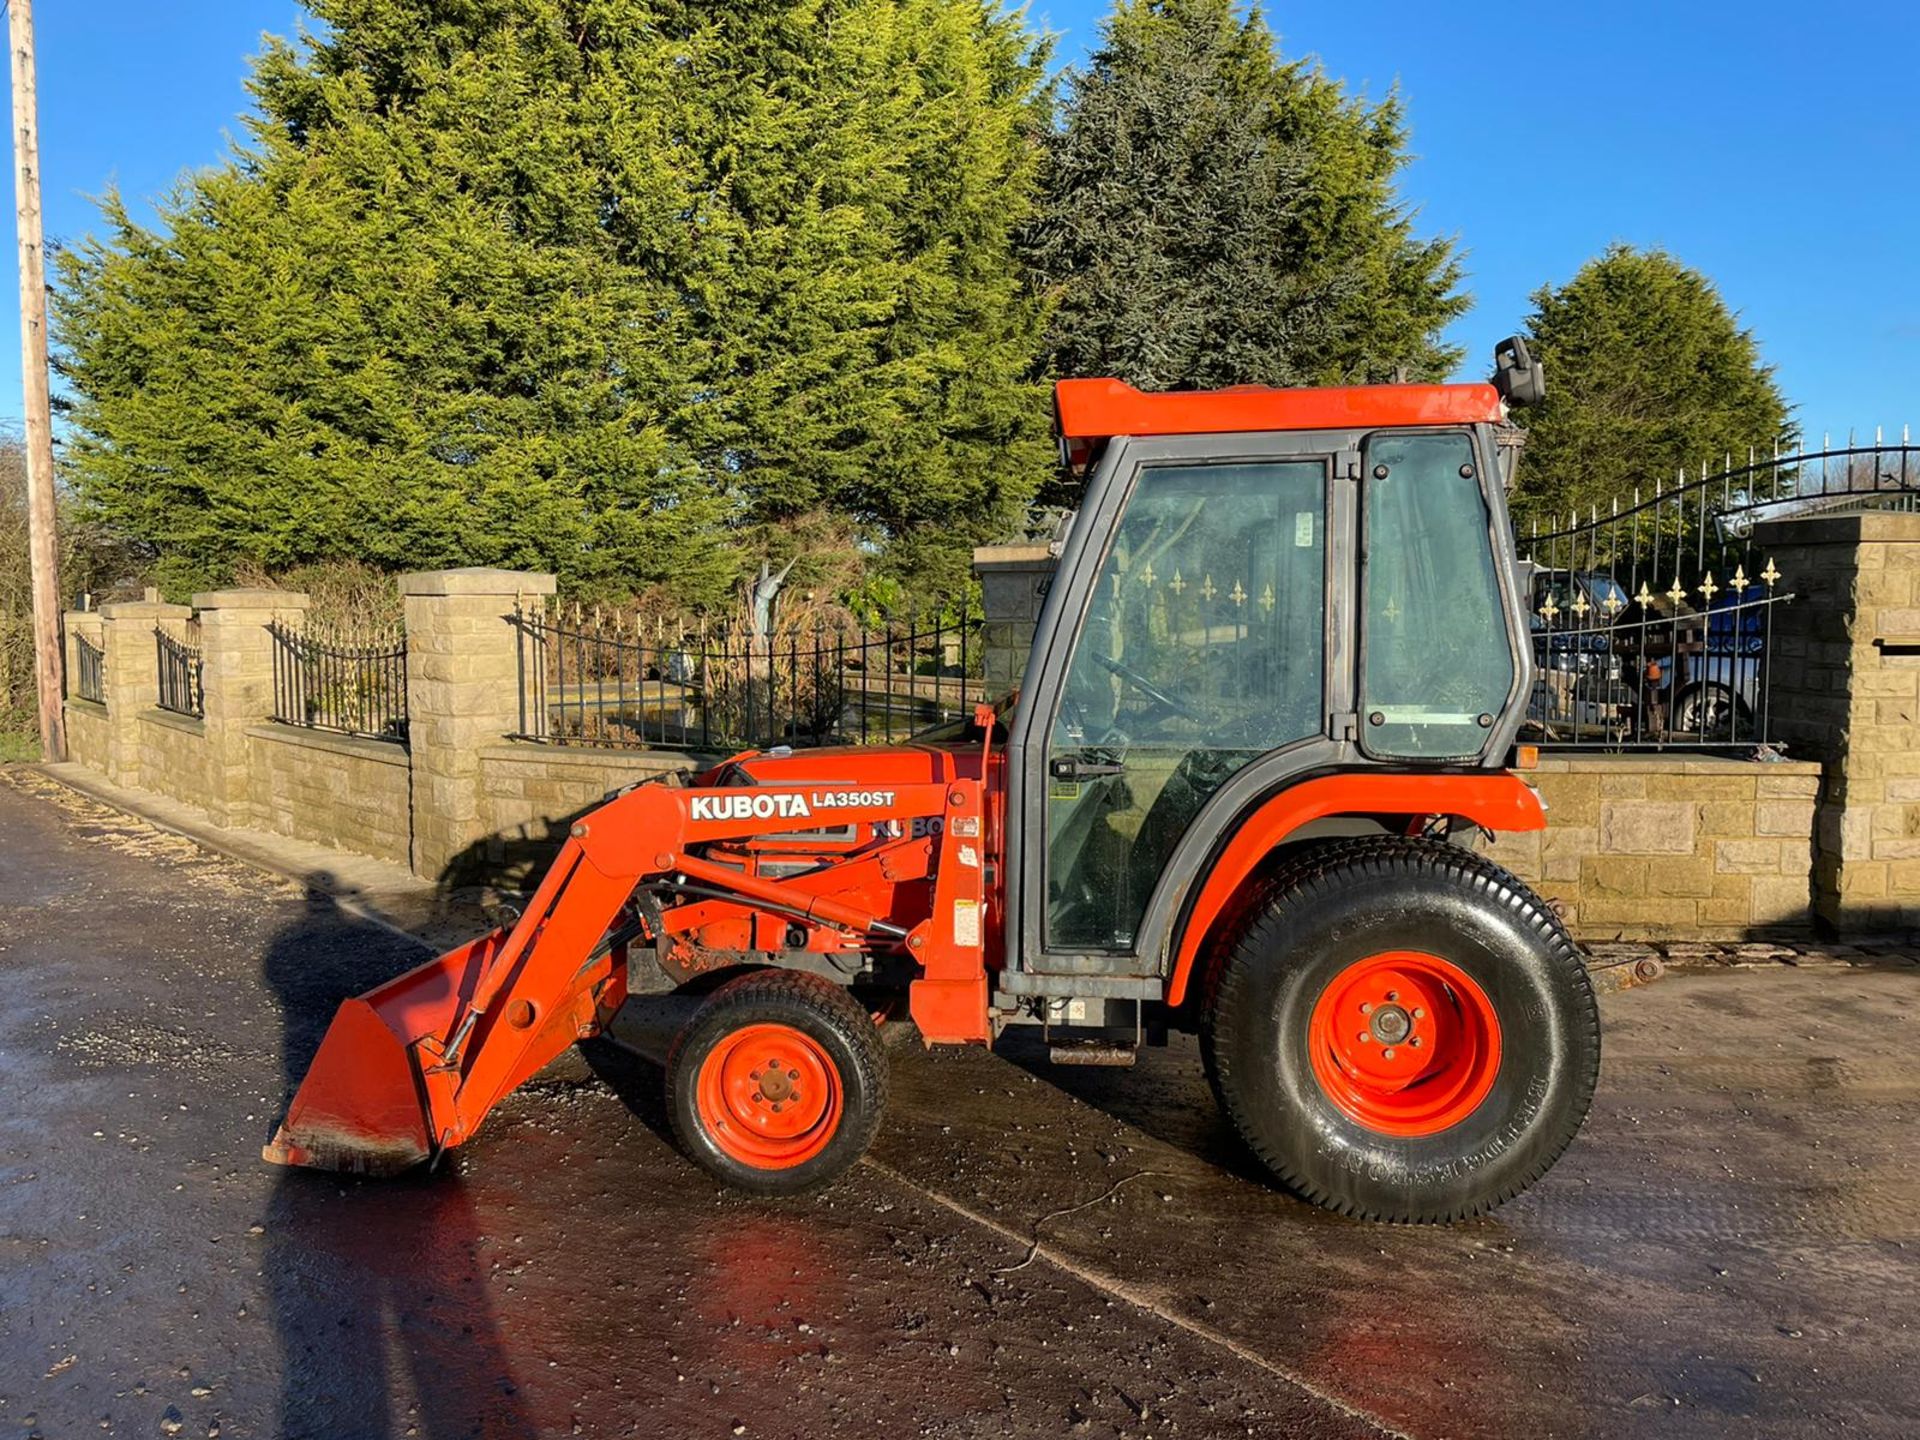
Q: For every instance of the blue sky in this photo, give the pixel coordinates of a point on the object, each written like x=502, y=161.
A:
x=1775, y=146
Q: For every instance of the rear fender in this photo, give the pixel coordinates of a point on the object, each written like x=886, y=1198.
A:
x=1496, y=800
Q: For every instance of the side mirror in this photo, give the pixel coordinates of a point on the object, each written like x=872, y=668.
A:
x=1516, y=374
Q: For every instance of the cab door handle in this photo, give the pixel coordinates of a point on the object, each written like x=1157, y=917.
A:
x=1065, y=767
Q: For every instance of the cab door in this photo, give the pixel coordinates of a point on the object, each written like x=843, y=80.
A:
x=1188, y=639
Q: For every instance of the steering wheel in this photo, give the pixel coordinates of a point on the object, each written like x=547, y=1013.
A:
x=1145, y=686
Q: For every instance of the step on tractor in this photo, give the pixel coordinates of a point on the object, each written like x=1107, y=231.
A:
x=1269, y=711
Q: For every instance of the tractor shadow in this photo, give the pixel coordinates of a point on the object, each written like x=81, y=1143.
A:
x=379, y=1288
x=630, y=1059
x=1164, y=1095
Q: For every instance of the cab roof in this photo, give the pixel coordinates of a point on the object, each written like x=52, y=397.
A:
x=1089, y=411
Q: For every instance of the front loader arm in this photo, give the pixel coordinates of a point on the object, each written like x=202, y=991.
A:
x=413, y=1067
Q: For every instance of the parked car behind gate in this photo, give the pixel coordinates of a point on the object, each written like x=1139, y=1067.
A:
x=1581, y=690
x=1611, y=669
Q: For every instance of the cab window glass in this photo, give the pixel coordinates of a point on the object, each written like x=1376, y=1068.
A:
x=1438, y=663
x=1202, y=649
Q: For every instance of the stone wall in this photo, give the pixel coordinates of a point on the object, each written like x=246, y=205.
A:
x=459, y=802
x=533, y=792
x=172, y=755
x=331, y=789
x=1648, y=846
x=87, y=732
x=1846, y=688
x=1671, y=847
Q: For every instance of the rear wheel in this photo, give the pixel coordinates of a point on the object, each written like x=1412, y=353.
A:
x=777, y=1083
x=1403, y=1031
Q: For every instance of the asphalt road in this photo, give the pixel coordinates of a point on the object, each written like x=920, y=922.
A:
x=1729, y=1249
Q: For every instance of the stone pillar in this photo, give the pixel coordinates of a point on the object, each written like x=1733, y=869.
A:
x=463, y=667
x=1845, y=689
x=1013, y=586
x=236, y=651
x=132, y=677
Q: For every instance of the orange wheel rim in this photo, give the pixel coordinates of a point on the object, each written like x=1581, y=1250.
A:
x=1404, y=1043
x=769, y=1096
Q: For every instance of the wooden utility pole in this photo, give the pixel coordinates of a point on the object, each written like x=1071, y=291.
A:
x=49, y=659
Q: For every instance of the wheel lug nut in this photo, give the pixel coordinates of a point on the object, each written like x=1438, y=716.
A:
x=793, y=1074
x=1415, y=1042
x=1366, y=1038
x=1393, y=995
x=1418, y=1013
x=776, y=1107
x=1386, y=1054
x=758, y=1098
x=1366, y=1007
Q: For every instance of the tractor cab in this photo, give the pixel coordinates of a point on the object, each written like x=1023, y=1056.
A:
x=1262, y=585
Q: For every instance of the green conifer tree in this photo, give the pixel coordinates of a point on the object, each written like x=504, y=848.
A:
x=611, y=286
x=1649, y=374
x=1215, y=215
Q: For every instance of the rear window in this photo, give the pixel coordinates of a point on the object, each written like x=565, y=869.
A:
x=1437, y=663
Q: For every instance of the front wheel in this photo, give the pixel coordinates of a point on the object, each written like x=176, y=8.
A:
x=1403, y=1031
x=777, y=1083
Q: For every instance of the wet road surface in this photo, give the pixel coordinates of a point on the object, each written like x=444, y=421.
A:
x=1729, y=1248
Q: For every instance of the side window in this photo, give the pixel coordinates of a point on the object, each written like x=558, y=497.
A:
x=1202, y=649
x=1437, y=663
x=1207, y=625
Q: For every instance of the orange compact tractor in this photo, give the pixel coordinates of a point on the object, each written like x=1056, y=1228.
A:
x=1270, y=705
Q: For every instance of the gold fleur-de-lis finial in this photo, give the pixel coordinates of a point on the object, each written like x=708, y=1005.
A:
x=1613, y=604
x=1177, y=585
x=1645, y=597
x=1207, y=592
x=1550, y=610
x=1677, y=593
x=1146, y=575
x=1266, y=599
x=1580, y=606
x=1237, y=595
x=1708, y=588
x=1739, y=581
x=1769, y=574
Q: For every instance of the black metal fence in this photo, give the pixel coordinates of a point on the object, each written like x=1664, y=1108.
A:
x=90, y=670
x=1653, y=622
x=355, y=684
x=589, y=678
x=178, y=657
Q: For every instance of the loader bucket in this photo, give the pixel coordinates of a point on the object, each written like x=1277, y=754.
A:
x=363, y=1106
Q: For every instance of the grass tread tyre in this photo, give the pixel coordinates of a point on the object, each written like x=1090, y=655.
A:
x=837, y=1025
x=1322, y=912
